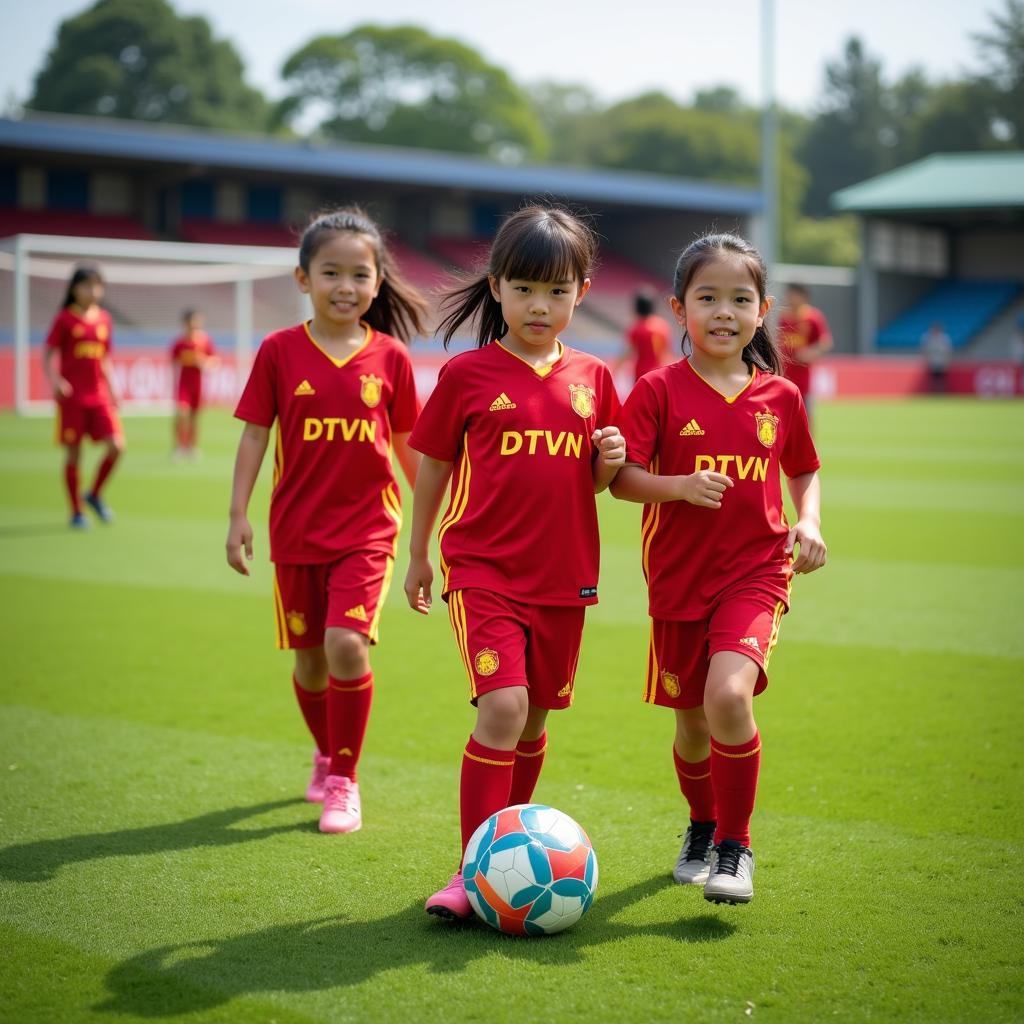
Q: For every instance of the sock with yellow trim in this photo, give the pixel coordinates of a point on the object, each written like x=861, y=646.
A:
x=313, y=706
x=348, y=713
x=526, y=772
x=734, y=771
x=485, y=786
x=695, y=785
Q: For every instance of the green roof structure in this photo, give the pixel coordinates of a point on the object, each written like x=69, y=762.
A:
x=944, y=181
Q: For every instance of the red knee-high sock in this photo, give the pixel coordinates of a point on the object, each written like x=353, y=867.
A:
x=526, y=772
x=313, y=706
x=71, y=483
x=486, y=783
x=695, y=785
x=348, y=712
x=181, y=432
x=105, y=469
x=734, y=773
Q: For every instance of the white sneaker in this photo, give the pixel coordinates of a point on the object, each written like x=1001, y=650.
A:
x=694, y=863
x=341, y=811
x=732, y=874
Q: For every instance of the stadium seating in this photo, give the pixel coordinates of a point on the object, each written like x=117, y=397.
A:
x=215, y=232
x=963, y=308
x=15, y=221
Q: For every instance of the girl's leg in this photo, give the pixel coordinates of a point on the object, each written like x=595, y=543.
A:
x=691, y=753
x=309, y=681
x=114, y=446
x=193, y=428
x=349, y=697
x=533, y=741
x=72, y=457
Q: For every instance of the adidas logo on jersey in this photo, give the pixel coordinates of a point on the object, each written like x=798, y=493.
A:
x=305, y=388
x=751, y=641
x=692, y=429
x=565, y=690
x=502, y=403
x=359, y=612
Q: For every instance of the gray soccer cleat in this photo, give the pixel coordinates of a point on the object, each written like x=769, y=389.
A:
x=694, y=863
x=732, y=874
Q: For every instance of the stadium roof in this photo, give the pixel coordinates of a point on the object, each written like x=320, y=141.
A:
x=200, y=149
x=945, y=181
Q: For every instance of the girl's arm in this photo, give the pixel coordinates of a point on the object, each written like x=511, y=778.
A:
x=611, y=456
x=408, y=458
x=107, y=369
x=704, y=488
x=431, y=481
x=805, y=490
x=61, y=387
x=251, y=449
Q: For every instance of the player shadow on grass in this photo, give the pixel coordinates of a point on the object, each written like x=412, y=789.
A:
x=41, y=860
x=317, y=955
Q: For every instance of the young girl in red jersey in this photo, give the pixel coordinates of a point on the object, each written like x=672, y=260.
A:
x=83, y=387
x=528, y=422
x=342, y=392
x=707, y=439
x=191, y=354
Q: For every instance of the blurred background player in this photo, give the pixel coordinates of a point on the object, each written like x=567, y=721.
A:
x=716, y=545
x=804, y=337
x=937, y=347
x=191, y=354
x=83, y=386
x=529, y=422
x=341, y=390
x=649, y=338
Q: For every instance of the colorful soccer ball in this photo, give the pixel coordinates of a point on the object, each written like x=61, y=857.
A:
x=530, y=870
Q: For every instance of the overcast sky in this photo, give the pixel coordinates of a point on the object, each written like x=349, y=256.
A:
x=618, y=49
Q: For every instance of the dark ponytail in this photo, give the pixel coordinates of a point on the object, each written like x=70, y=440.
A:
x=85, y=272
x=399, y=308
x=537, y=243
x=761, y=351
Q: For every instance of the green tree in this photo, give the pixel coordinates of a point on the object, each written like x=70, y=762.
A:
x=138, y=59
x=567, y=112
x=1002, y=51
x=404, y=86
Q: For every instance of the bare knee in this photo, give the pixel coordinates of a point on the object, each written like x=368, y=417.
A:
x=73, y=454
x=348, y=653
x=311, y=669
x=501, y=716
x=692, y=726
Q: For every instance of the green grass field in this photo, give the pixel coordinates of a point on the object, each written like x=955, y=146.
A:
x=157, y=862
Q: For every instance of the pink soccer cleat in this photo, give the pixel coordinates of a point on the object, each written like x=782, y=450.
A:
x=341, y=811
x=451, y=902
x=321, y=769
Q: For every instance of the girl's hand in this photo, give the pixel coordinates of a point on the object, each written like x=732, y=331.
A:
x=418, y=581
x=610, y=445
x=704, y=488
x=239, y=536
x=62, y=388
x=812, y=548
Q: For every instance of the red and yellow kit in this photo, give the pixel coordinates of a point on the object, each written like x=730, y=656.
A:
x=334, y=486
x=650, y=339
x=807, y=327
x=676, y=423
x=522, y=519
x=188, y=353
x=83, y=345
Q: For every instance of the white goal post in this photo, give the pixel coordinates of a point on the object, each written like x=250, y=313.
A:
x=243, y=292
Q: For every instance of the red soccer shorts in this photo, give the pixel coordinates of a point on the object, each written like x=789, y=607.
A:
x=347, y=593
x=190, y=395
x=507, y=643
x=75, y=421
x=680, y=652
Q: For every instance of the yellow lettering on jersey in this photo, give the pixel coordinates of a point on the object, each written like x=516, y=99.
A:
x=562, y=443
x=89, y=350
x=511, y=442
x=347, y=430
x=753, y=467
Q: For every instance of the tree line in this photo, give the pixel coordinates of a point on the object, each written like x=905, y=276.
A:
x=140, y=59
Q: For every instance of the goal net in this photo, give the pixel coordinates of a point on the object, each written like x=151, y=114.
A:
x=243, y=292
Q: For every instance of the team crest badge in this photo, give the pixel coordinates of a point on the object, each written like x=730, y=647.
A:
x=670, y=682
x=296, y=623
x=78, y=331
x=767, y=428
x=582, y=399
x=370, y=389
x=486, y=662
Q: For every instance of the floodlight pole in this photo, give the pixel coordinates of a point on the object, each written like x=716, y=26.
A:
x=769, y=138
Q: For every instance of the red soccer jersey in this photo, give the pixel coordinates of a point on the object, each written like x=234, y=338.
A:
x=522, y=520
x=334, y=487
x=650, y=339
x=676, y=423
x=83, y=345
x=189, y=353
x=806, y=327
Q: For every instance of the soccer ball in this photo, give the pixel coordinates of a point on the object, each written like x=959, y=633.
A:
x=530, y=870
